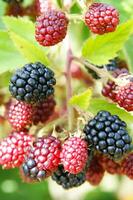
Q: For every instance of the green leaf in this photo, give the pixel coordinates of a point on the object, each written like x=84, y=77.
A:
x=101, y=48
x=100, y=104
x=21, y=26
x=128, y=50
x=4, y=79
x=10, y=59
x=29, y=50
x=82, y=100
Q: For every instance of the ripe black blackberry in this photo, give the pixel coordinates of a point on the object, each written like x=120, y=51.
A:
x=67, y=180
x=107, y=134
x=33, y=83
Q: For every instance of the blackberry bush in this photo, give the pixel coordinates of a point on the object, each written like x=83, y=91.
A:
x=49, y=126
x=33, y=83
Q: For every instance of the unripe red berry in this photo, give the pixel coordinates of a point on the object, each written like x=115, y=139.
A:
x=19, y=115
x=14, y=148
x=51, y=28
x=124, y=96
x=74, y=155
x=102, y=18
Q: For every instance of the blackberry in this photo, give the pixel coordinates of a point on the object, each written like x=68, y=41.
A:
x=74, y=155
x=124, y=97
x=67, y=180
x=43, y=158
x=14, y=148
x=51, y=27
x=33, y=83
x=109, y=90
x=101, y=18
x=107, y=134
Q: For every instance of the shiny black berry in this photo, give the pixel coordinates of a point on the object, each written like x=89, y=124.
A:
x=67, y=180
x=107, y=134
x=33, y=83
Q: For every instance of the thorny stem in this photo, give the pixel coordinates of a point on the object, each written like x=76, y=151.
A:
x=69, y=88
x=100, y=72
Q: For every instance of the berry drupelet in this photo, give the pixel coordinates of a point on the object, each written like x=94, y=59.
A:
x=43, y=158
x=107, y=134
x=102, y=18
x=67, y=180
x=19, y=115
x=14, y=148
x=51, y=27
x=33, y=83
x=74, y=155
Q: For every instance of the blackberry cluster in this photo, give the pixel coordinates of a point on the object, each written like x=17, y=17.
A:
x=31, y=172
x=33, y=83
x=67, y=180
x=43, y=111
x=107, y=134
